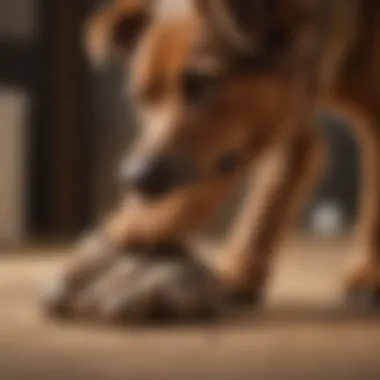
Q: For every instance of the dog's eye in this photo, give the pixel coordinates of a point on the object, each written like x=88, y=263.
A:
x=228, y=163
x=277, y=39
x=195, y=86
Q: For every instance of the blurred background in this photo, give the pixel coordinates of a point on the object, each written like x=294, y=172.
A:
x=63, y=127
x=60, y=125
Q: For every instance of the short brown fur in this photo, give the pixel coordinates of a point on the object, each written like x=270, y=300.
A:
x=259, y=112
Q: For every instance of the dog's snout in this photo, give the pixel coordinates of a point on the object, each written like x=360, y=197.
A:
x=155, y=177
x=146, y=176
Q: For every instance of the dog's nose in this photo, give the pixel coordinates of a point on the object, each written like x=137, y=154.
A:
x=151, y=178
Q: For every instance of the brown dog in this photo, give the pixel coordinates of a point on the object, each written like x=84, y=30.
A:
x=221, y=86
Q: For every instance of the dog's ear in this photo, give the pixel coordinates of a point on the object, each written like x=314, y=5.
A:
x=229, y=20
x=242, y=25
x=115, y=30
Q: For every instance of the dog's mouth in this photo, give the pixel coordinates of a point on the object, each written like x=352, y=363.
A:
x=158, y=177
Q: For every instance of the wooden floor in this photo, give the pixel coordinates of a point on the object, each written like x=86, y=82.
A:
x=301, y=333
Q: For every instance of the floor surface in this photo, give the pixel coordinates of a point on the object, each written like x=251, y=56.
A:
x=302, y=332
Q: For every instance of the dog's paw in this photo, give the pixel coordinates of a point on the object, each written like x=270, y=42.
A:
x=363, y=289
x=164, y=289
x=361, y=299
x=165, y=284
x=89, y=259
x=244, y=298
x=245, y=288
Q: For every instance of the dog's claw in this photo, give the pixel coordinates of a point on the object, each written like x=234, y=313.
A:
x=55, y=299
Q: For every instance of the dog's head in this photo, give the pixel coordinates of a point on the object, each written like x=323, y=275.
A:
x=213, y=82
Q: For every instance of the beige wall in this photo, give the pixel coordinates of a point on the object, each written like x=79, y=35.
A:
x=13, y=186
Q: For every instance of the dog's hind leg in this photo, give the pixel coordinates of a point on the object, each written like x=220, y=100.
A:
x=356, y=89
x=271, y=204
x=363, y=280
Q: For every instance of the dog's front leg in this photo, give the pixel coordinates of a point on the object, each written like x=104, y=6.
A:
x=103, y=265
x=284, y=179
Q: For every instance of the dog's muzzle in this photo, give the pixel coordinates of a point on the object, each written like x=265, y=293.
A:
x=157, y=177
